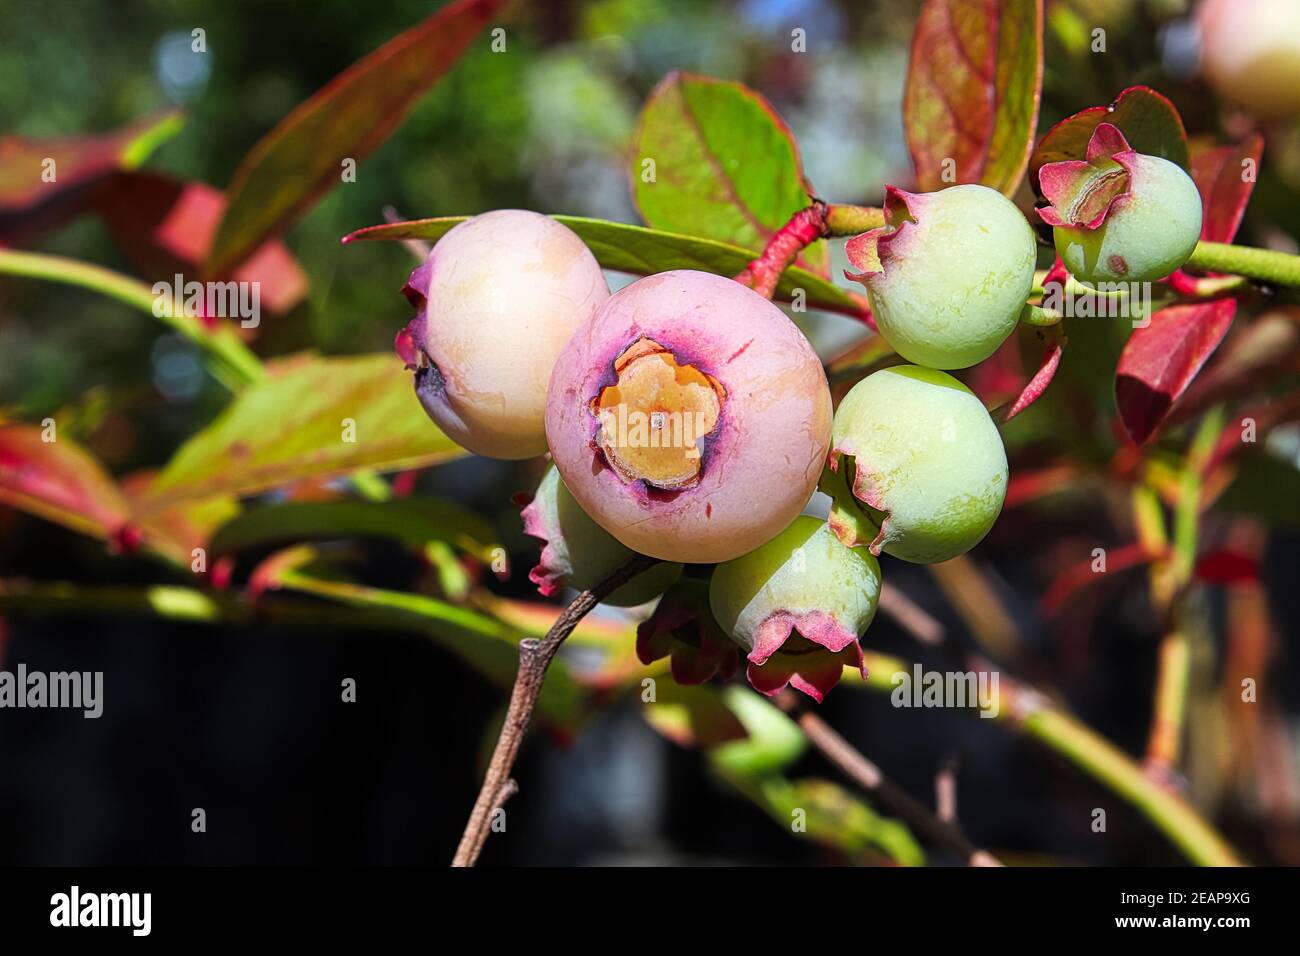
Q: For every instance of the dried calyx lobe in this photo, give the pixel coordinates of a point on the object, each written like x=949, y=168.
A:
x=655, y=417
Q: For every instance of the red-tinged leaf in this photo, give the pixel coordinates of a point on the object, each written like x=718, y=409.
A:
x=1225, y=177
x=1025, y=487
x=1148, y=120
x=973, y=89
x=311, y=417
x=1252, y=358
x=59, y=481
x=300, y=160
x=1042, y=378
x=1077, y=577
x=176, y=531
x=726, y=167
x=166, y=226
x=1227, y=567
x=1161, y=359
x=31, y=201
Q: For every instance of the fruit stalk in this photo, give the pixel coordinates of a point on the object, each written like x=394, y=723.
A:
x=804, y=228
x=1263, y=265
x=232, y=362
x=534, y=658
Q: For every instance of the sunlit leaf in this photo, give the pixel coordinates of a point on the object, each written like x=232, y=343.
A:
x=725, y=166
x=973, y=88
x=692, y=716
x=310, y=417
x=411, y=521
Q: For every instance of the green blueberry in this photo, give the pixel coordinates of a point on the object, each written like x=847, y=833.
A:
x=797, y=605
x=1120, y=216
x=917, y=467
x=948, y=277
x=578, y=553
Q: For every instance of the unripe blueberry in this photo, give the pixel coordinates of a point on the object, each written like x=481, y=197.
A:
x=917, y=467
x=948, y=277
x=690, y=418
x=798, y=605
x=578, y=553
x=498, y=298
x=1120, y=215
x=1250, y=51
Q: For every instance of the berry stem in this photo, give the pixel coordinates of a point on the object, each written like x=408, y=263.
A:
x=804, y=228
x=888, y=794
x=233, y=364
x=534, y=658
x=1264, y=265
x=846, y=220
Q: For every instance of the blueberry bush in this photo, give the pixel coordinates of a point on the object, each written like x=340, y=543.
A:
x=1052, y=359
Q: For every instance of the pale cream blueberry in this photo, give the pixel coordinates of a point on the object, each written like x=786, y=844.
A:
x=579, y=554
x=948, y=276
x=797, y=605
x=690, y=418
x=917, y=468
x=498, y=297
x=1120, y=215
x=1250, y=52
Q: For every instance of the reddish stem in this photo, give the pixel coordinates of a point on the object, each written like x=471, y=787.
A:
x=804, y=228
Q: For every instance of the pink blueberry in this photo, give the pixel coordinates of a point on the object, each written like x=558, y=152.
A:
x=689, y=417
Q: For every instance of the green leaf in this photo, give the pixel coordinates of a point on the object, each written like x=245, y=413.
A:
x=774, y=740
x=300, y=160
x=413, y=522
x=834, y=817
x=311, y=417
x=973, y=87
x=641, y=251
x=725, y=166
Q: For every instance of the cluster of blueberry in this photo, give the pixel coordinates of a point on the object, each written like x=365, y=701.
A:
x=690, y=420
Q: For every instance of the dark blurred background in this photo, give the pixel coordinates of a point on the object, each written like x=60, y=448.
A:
x=247, y=723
